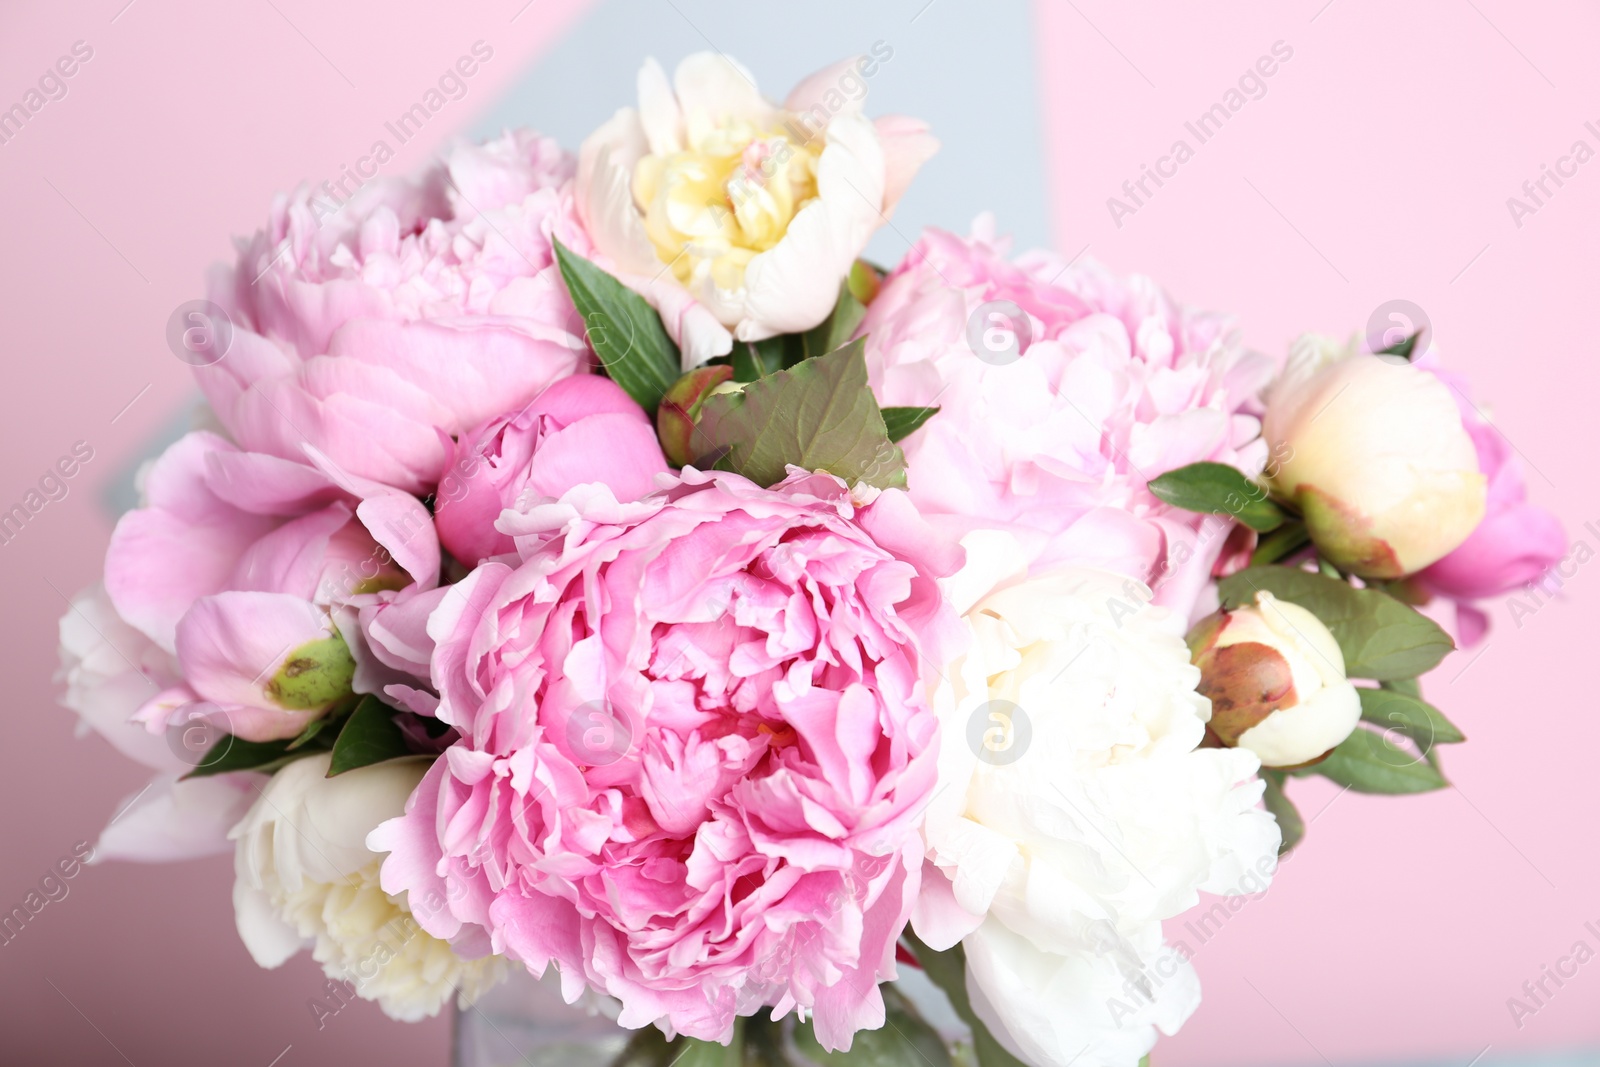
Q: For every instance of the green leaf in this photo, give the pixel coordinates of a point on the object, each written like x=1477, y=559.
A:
x=1420, y=721
x=1380, y=637
x=833, y=331
x=1292, y=826
x=1221, y=490
x=1404, y=349
x=624, y=330
x=903, y=422
x=904, y=1040
x=1369, y=762
x=757, y=359
x=309, y=734
x=819, y=415
x=369, y=736
x=948, y=971
x=229, y=753
x=1411, y=687
x=1285, y=541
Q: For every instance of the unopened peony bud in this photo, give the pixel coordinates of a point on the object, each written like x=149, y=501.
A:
x=1375, y=458
x=680, y=407
x=1275, y=679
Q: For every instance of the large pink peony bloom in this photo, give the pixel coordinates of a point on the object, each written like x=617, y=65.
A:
x=1514, y=544
x=415, y=307
x=1108, y=385
x=695, y=749
x=581, y=429
x=238, y=560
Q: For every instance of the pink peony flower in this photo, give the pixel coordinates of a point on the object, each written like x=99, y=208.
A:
x=1514, y=544
x=236, y=563
x=364, y=328
x=581, y=429
x=1050, y=428
x=695, y=749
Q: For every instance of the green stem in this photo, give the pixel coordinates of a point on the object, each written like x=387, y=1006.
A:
x=1284, y=541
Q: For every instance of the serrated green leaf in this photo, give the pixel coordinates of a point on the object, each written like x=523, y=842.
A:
x=1370, y=762
x=228, y=754
x=757, y=359
x=1219, y=489
x=904, y=1040
x=1380, y=637
x=369, y=736
x=818, y=415
x=832, y=332
x=1418, y=720
x=948, y=971
x=1290, y=824
x=901, y=423
x=1411, y=687
x=623, y=329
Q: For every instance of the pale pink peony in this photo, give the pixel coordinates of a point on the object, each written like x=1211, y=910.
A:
x=695, y=749
x=1115, y=385
x=238, y=559
x=581, y=429
x=364, y=329
x=110, y=670
x=1516, y=542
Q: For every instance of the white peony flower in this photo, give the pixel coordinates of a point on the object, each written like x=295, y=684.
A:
x=1075, y=812
x=305, y=877
x=110, y=670
x=1275, y=678
x=1376, y=458
x=756, y=210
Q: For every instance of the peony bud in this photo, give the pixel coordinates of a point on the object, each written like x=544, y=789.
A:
x=1375, y=458
x=680, y=407
x=1275, y=679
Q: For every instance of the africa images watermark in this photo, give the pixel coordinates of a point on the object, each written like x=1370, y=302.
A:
x=1548, y=586
x=331, y=195
x=1537, y=191
x=1537, y=992
x=51, y=86
x=53, y=486
x=1252, y=85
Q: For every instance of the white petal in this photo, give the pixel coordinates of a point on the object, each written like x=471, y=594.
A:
x=713, y=88
x=794, y=286
x=268, y=938
x=658, y=110
x=177, y=820
x=1293, y=735
x=838, y=79
x=603, y=193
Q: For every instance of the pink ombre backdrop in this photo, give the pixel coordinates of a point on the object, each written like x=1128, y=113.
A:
x=1376, y=166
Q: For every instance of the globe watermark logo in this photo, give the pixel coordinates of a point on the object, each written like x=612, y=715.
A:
x=599, y=734
x=999, y=732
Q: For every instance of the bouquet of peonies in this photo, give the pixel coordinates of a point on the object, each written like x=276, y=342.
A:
x=593, y=564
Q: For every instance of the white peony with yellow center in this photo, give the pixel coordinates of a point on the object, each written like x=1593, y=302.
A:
x=753, y=210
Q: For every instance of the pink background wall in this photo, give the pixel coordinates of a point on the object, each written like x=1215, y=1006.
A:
x=1376, y=166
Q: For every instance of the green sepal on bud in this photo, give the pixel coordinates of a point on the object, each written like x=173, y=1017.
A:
x=680, y=409
x=314, y=676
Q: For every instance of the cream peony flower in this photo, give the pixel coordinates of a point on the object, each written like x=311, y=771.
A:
x=757, y=211
x=1075, y=811
x=304, y=876
x=1377, y=459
